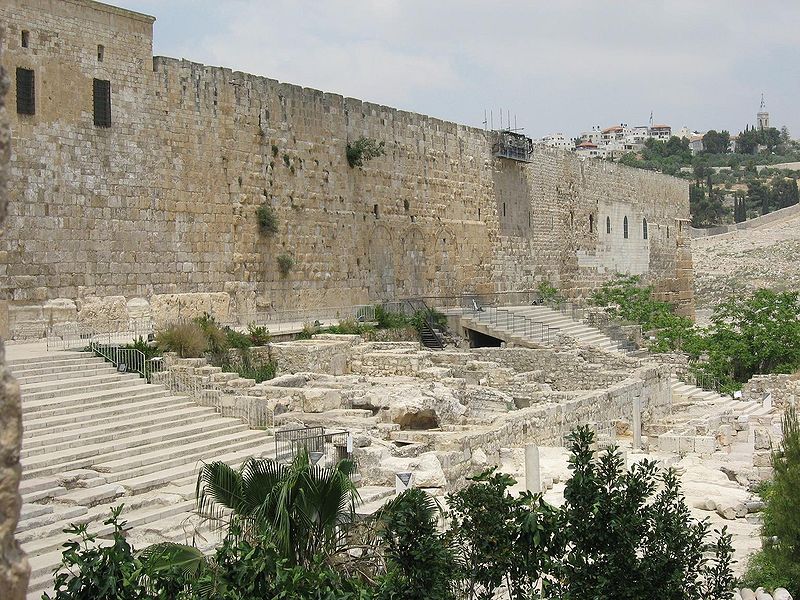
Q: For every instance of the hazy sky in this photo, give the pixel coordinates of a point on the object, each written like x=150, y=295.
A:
x=558, y=65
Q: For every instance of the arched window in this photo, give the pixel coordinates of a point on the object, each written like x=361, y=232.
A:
x=625, y=228
x=591, y=223
x=644, y=228
x=608, y=224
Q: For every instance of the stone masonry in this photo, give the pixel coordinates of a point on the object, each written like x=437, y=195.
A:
x=13, y=565
x=156, y=214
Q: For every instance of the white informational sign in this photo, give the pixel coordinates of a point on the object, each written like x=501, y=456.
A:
x=737, y=394
x=349, y=443
x=402, y=481
x=768, y=400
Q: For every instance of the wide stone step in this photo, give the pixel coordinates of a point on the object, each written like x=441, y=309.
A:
x=82, y=456
x=185, y=414
x=91, y=371
x=186, y=473
x=52, y=407
x=60, y=386
x=41, y=374
x=53, y=358
x=159, y=401
x=185, y=455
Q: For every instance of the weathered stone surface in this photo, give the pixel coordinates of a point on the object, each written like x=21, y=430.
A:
x=438, y=215
x=14, y=567
x=414, y=406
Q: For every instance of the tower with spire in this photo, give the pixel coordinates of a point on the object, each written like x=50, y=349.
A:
x=762, y=118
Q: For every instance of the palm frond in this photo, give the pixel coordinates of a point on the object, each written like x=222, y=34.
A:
x=218, y=487
x=168, y=556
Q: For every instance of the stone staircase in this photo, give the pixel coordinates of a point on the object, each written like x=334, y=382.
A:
x=582, y=333
x=94, y=438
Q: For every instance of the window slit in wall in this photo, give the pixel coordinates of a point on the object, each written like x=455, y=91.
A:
x=644, y=229
x=26, y=92
x=26, y=39
x=608, y=224
x=101, y=95
x=625, y=228
x=504, y=209
x=101, y=52
x=375, y=210
x=591, y=223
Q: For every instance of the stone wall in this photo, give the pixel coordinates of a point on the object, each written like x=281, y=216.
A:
x=121, y=221
x=14, y=567
x=785, y=389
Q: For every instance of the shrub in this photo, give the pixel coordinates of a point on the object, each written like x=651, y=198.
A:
x=236, y=339
x=150, y=351
x=432, y=316
x=778, y=564
x=362, y=150
x=267, y=219
x=308, y=331
x=216, y=337
x=285, y=264
x=261, y=372
x=390, y=320
x=547, y=291
x=259, y=335
x=349, y=327
x=187, y=339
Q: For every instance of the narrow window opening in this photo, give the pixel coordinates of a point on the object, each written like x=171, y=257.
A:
x=26, y=39
x=406, y=205
x=101, y=52
x=625, y=228
x=608, y=224
x=504, y=209
x=479, y=214
x=591, y=223
x=26, y=92
x=101, y=93
x=667, y=231
x=529, y=218
x=644, y=229
x=375, y=210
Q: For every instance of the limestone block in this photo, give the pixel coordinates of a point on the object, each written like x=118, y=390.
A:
x=781, y=594
x=317, y=400
x=414, y=406
x=138, y=309
x=761, y=439
x=106, y=314
x=59, y=311
x=747, y=594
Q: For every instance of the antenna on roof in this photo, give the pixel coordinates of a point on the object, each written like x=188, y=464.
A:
x=651, y=119
x=484, y=119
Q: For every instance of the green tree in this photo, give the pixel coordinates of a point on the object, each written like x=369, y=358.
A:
x=784, y=192
x=420, y=562
x=748, y=141
x=759, y=197
x=304, y=508
x=716, y=142
x=629, y=532
x=778, y=563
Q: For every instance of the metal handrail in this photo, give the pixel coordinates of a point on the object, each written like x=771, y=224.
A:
x=127, y=360
x=501, y=317
x=74, y=336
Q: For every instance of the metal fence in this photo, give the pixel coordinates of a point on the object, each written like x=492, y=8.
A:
x=253, y=410
x=325, y=448
x=516, y=324
x=73, y=336
x=127, y=360
x=277, y=320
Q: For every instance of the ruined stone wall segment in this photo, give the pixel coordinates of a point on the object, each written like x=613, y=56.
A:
x=163, y=203
x=14, y=568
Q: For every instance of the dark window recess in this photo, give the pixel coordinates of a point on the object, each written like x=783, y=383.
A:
x=101, y=52
x=667, y=231
x=625, y=228
x=375, y=210
x=26, y=92
x=102, y=102
x=644, y=228
x=608, y=224
x=26, y=39
x=591, y=223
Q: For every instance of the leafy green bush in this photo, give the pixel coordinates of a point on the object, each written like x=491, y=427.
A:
x=236, y=339
x=187, y=339
x=150, y=351
x=778, y=563
x=362, y=150
x=348, y=327
x=432, y=316
x=547, y=291
x=259, y=335
x=89, y=571
x=285, y=264
x=216, y=337
x=308, y=331
x=420, y=562
x=390, y=320
x=267, y=220
x=260, y=372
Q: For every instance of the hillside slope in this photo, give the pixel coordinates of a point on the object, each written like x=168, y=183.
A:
x=742, y=261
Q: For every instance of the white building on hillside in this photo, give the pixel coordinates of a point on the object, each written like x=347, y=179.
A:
x=558, y=140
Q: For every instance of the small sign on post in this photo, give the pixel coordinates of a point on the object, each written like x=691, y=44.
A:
x=402, y=481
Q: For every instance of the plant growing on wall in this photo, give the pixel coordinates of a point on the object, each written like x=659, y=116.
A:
x=267, y=220
x=362, y=150
x=285, y=264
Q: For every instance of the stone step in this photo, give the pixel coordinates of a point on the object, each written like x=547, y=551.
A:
x=61, y=374
x=48, y=463
x=52, y=358
x=156, y=401
x=162, y=460
x=58, y=387
x=58, y=395
x=52, y=407
x=184, y=414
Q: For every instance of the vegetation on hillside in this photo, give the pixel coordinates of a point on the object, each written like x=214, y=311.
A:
x=756, y=334
x=290, y=532
x=726, y=186
x=778, y=563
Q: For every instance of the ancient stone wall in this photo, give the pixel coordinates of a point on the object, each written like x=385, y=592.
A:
x=14, y=568
x=151, y=215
